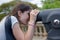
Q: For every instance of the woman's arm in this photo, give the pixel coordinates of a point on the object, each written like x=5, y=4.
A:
x=18, y=34
x=30, y=32
x=31, y=25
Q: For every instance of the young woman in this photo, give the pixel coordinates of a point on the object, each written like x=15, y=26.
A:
x=24, y=14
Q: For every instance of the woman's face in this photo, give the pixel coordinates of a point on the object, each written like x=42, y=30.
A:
x=24, y=17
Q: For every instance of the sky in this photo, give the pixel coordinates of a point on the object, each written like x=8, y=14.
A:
x=4, y=1
x=37, y=2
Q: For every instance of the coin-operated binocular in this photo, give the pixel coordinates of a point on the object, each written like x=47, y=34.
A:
x=51, y=20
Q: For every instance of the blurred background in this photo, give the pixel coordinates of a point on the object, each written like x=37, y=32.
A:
x=40, y=33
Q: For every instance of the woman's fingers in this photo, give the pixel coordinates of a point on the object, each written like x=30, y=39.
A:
x=34, y=12
x=33, y=15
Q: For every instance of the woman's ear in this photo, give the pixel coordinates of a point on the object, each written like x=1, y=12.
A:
x=19, y=13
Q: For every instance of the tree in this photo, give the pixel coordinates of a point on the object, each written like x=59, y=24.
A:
x=47, y=4
x=7, y=7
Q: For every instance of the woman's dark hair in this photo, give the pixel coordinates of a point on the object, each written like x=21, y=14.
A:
x=20, y=7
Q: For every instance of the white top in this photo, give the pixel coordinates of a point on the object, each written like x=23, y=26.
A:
x=2, y=26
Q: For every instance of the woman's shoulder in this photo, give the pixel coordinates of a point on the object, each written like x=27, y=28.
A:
x=13, y=18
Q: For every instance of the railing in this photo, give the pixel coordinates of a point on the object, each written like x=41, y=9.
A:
x=40, y=30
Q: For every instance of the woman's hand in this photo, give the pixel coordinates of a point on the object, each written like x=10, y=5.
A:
x=33, y=15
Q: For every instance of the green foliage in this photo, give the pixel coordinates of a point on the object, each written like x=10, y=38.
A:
x=34, y=6
x=1, y=16
x=48, y=4
x=7, y=6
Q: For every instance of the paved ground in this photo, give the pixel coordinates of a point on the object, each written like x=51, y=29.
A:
x=39, y=38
